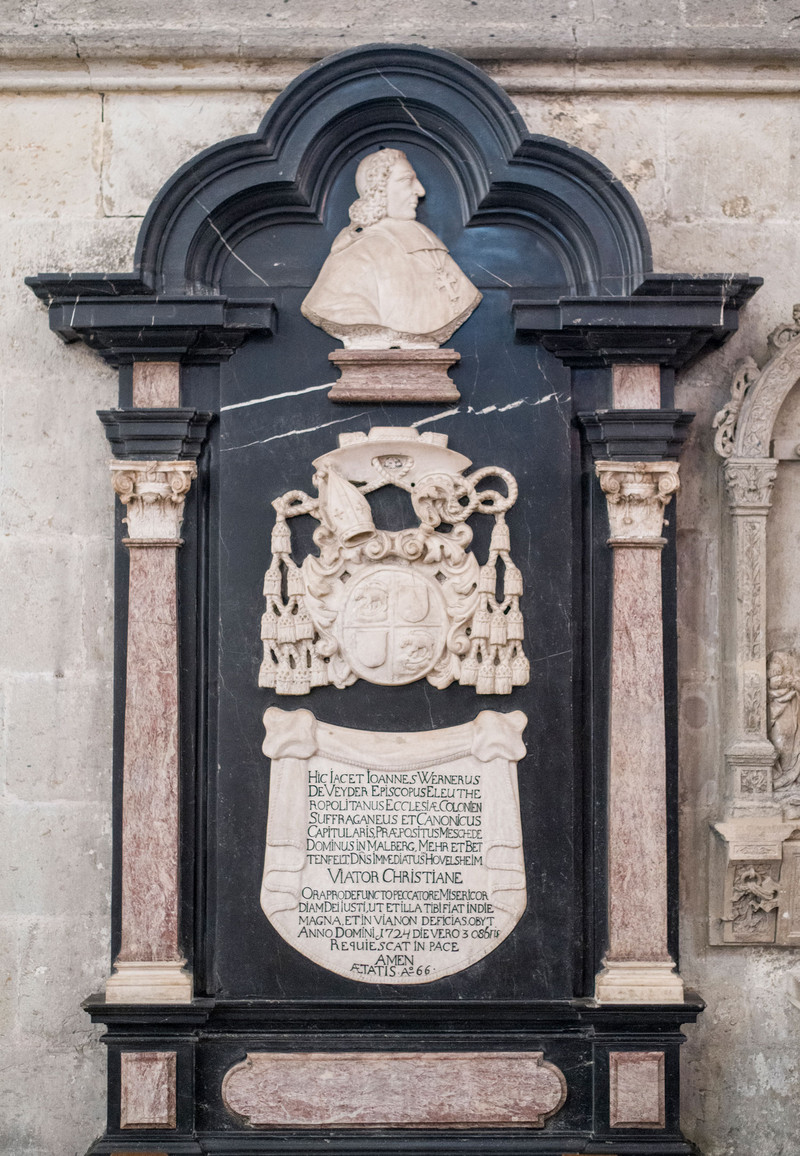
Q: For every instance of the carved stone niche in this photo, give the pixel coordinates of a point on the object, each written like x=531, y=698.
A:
x=756, y=886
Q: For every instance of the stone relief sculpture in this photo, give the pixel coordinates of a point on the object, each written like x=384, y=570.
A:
x=783, y=673
x=394, y=856
x=760, y=831
x=389, y=282
x=387, y=606
x=755, y=897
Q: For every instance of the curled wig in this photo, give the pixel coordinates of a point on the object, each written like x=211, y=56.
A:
x=372, y=176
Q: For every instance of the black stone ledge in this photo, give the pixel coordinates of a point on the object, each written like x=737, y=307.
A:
x=636, y=435
x=166, y=1016
x=55, y=288
x=629, y=1016
x=164, y=434
x=160, y=1144
x=134, y=326
x=363, y=1141
x=669, y=320
x=383, y=1022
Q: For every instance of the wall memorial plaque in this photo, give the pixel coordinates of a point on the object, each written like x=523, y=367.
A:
x=392, y=855
x=512, y=926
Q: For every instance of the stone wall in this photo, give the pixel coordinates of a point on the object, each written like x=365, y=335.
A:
x=96, y=115
x=487, y=29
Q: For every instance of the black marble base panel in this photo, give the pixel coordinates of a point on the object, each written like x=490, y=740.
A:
x=576, y=1036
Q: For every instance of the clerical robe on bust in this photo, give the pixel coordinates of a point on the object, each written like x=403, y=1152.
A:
x=388, y=281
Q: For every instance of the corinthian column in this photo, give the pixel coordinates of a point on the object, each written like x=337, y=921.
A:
x=150, y=967
x=637, y=967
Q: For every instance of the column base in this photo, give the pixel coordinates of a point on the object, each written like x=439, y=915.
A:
x=145, y=981
x=635, y=982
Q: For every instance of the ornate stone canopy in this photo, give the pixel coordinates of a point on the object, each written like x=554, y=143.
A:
x=760, y=900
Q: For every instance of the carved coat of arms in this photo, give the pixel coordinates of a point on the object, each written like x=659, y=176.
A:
x=394, y=606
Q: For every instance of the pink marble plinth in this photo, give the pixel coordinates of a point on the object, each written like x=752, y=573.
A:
x=394, y=375
x=394, y=1089
x=147, y=1089
x=636, y=1089
x=156, y=384
x=636, y=386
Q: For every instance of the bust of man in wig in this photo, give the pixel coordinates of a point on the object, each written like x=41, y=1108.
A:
x=389, y=282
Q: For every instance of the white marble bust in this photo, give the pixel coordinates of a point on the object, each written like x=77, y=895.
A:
x=389, y=282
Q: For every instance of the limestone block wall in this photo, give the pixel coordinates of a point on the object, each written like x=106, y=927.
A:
x=486, y=29
x=94, y=116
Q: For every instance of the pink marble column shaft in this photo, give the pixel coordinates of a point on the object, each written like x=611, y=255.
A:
x=150, y=789
x=149, y=968
x=637, y=967
x=637, y=821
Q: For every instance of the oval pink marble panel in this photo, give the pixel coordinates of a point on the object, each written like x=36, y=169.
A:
x=394, y=1089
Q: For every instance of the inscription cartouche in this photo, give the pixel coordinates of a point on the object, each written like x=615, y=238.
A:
x=394, y=857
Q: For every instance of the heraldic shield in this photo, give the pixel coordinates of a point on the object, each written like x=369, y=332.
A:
x=394, y=857
x=393, y=625
x=386, y=606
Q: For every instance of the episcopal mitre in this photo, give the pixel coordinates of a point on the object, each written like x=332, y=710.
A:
x=389, y=282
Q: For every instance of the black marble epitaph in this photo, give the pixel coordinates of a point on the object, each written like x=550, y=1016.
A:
x=561, y=255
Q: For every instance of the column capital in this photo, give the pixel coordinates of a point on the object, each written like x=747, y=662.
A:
x=636, y=494
x=749, y=482
x=154, y=493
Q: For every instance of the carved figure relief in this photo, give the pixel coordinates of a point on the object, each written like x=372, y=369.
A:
x=783, y=673
x=393, y=857
x=389, y=282
x=755, y=896
x=387, y=606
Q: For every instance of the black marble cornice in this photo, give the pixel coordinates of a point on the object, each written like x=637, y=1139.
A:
x=464, y=1021
x=136, y=1016
x=735, y=289
x=131, y=325
x=162, y=434
x=53, y=288
x=636, y=435
x=669, y=320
